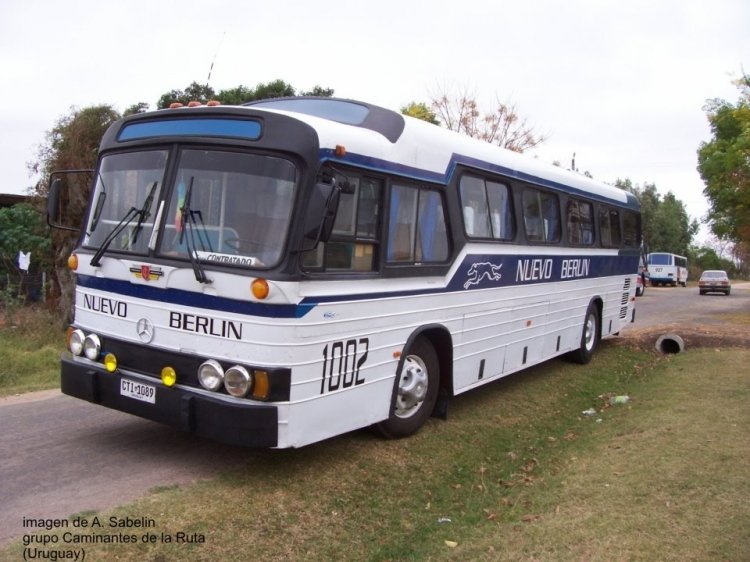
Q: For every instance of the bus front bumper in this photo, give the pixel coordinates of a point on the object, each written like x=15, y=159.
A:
x=224, y=420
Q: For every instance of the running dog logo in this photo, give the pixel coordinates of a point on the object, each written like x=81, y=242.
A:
x=479, y=271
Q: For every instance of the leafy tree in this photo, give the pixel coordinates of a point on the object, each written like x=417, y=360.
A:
x=141, y=107
x=502, y=126
x=194, y=92
x=422, y=111
x=72, y=144
x=24, y=229
x=237, y=95
x=665, y=223
x=724, y=165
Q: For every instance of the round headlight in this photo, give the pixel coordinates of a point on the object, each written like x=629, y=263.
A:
x=237, y=381
x=210, y=375
x=92, y=347
x=76, y=342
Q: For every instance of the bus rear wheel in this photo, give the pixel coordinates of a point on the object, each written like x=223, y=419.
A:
x=589, y=336
x=415, y=391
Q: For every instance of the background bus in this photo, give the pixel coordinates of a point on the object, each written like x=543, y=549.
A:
x=278, y=273
x=667, y=269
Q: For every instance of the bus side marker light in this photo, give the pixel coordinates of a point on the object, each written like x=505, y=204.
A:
x=397, y=355
x=528, y=323
x=73, y=262
x=260, y=288
x=110, y=362
x=261, y=385
x=175, y=105
x=340, y=150
x=168, y=376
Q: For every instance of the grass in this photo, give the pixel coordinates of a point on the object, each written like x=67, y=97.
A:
x=517, y=473
x=30, y=351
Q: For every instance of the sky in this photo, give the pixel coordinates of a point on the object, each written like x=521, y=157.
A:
x=622, y=85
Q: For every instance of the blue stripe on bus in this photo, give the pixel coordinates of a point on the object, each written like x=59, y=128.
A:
x=419, y=174
x=194, y=300
x=475, y=272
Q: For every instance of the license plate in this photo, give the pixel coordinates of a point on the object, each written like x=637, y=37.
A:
x=138, y=390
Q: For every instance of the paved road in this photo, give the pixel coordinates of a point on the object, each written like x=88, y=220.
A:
x=670, y=305
x=60, y=456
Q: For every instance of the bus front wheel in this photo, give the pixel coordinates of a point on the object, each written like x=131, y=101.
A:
x=589, y=336
x=415, y=391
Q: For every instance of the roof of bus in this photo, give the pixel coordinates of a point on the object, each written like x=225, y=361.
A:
x=381, y=139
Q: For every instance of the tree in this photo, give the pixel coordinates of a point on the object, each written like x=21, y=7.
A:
x=24, y=230
x=420, y=110
x=194, y=92
x=237, y=95
x=73, y=144
x=502, y=126
x=724, y=165
x=665, y=223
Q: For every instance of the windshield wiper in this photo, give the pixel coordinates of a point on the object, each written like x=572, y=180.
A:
x=145, y=212
x=141, y=213
x=186, y=222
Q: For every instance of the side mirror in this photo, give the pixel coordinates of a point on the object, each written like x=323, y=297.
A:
x=321, y=214
x=59, y=196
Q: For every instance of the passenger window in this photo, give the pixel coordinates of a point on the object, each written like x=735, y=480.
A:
x=486, y=207
x=541, y=216
x=353, y=244
x=609, y=228
x=630, y=230
x=580, y=221
x=417, y=228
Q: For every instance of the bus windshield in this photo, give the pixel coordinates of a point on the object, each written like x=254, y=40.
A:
x=125, y=197
x=660, y=259
x=229, y=208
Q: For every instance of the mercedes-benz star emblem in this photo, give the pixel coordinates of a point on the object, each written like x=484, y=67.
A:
x=145, y=330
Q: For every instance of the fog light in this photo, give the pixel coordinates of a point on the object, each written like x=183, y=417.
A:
x=168, y=376
x=110, y=362
x=75, y=343
x=211, y=375
x=237, y=381
x=92, y=347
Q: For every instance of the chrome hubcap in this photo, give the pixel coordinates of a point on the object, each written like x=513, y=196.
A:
x=412, y=387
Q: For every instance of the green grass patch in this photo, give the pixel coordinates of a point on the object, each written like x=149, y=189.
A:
x=30, y=349
x=516, y=473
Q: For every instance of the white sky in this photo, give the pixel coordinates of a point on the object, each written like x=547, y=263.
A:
x=621, y=84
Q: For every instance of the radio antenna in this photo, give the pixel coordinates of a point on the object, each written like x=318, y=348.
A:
x=216, y=54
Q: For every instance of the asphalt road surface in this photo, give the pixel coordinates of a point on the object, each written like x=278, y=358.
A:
x=60, y=456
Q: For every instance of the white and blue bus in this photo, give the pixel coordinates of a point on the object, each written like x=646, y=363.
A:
x=281, y=272
x=667, y=269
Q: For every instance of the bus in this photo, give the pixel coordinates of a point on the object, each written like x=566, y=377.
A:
x=667, y=269
x=281, y=272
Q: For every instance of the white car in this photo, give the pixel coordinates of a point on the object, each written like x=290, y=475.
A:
x=714, y=281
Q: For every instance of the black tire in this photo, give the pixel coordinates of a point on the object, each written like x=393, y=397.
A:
x=590, y=335
x=415, y=391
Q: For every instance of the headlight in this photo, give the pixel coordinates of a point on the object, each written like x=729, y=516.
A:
x=210, y=375
x=76, y=342
x=92, y=347
x=237, y=381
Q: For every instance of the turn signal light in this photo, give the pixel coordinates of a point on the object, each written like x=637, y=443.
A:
x=261, y=384
x=260, y=288
x=73, y=262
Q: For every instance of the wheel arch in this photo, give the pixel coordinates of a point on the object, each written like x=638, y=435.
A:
x=441, y=341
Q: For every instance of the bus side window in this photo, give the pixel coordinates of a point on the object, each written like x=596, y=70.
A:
x=604, y=231
x=580, y=220
x=353, y=242
x=630, y=230
x=541, y=215
x=417, y=230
